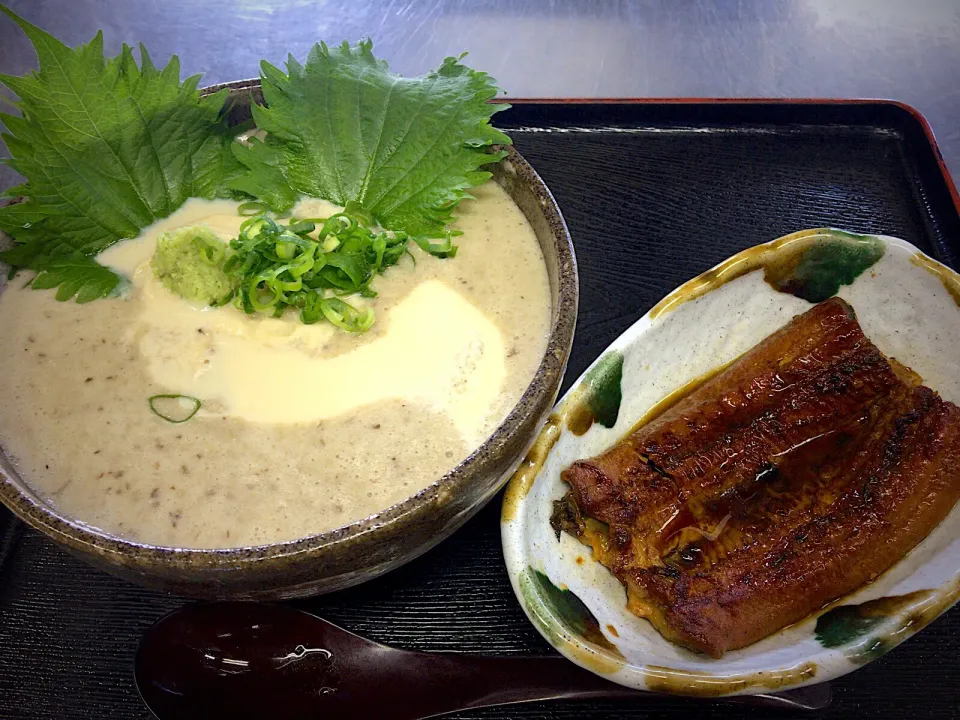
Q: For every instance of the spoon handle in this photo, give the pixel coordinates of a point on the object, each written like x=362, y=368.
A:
x=445, y=682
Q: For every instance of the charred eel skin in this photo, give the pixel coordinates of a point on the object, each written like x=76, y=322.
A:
x=805, y=469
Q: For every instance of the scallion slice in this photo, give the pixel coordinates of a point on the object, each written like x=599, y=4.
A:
x=251, y=208
x=172, y=408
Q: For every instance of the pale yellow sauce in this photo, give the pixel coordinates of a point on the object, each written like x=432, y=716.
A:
x=302, y=428
x=432, y=347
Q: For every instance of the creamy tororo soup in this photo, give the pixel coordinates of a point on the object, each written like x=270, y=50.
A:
x=302, y=428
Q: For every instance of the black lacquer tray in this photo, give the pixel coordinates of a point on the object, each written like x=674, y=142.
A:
x=654, y=192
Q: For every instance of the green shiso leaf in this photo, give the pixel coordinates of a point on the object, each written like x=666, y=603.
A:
x=343, y=128
x=107, y=148
x=76, y=276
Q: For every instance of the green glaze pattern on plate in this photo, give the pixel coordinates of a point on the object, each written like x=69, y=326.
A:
x=599, y=395
x=565, y=607
x=844, y=624
x=825, y=266
x=906, y=303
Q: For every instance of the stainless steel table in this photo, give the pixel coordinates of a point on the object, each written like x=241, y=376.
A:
x=907, y=50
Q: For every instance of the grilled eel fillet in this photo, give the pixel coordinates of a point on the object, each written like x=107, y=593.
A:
x=805, y=469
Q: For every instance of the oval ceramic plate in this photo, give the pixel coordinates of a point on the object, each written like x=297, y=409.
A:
x=907, y=305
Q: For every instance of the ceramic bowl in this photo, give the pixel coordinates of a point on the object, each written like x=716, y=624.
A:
x=365, y=549
x=907, y=304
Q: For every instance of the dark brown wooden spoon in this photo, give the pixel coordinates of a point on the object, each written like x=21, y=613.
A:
x=254, y=660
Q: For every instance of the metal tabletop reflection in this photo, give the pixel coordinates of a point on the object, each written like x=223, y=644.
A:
x=908, y=51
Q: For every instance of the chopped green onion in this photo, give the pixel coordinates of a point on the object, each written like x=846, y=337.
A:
x=255, y=293
x=171, y=407
x=286, y=250
x=346, y=316
x=379, y=248
x=302, y=227
x=445, y=249
x=311, y=263
x=251, y=208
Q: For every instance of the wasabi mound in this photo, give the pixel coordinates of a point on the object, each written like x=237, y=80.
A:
x=189, y=262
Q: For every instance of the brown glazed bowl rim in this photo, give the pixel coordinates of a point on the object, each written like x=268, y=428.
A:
x=535, y=401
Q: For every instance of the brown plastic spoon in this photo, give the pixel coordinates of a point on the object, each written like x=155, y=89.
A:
x=253, y=660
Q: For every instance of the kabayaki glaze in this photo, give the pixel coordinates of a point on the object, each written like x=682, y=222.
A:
x=803, y=470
